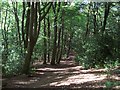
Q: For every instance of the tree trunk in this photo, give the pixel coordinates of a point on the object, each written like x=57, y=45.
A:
x=94, y=19
x=56, y=11
x=17, y=22
x=55, y=35
x=48, y=38
x=69, y=44
x=27, y=26
x=54, y=44
x=87, y=24
x=26, y=66
x=32, y=30
x=106, y=14
x=30, y=43
x=58, y=46
x=23, y=17
x=45, y=43
x=62, y=37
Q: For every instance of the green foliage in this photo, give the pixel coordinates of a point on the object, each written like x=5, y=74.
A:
x=12, y=52
x=13, y=66
x=98, y=51
x=110, y=84
x=93, y=50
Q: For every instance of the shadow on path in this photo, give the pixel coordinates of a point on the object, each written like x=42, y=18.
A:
x=65, y=75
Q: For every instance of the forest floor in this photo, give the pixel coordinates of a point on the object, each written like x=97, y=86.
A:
x=66, y=75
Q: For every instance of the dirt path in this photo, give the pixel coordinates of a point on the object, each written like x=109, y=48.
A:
x=65, y=75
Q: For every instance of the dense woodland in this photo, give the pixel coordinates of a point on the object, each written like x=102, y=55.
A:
x=49, y=32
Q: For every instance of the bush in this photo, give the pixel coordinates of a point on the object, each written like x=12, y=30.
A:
x=98, y=51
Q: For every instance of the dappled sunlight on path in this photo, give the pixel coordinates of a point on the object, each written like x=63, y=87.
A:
x=67, y=74
x=78, y=79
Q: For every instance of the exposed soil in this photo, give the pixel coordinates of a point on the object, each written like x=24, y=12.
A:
x=66, y=75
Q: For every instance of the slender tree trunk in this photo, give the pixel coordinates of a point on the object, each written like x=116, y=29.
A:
x=58, y=46
x=55, y=43
x=56, y=11
x=62, y=37
x=17, y=22
x=23, y=17
x=106, y=14
x=59, y=37
x=27, y=26
x=45, y=43
x=94, y=19
x=87, y=24
x=48, y=38
x=55, y=35
x=69, y=44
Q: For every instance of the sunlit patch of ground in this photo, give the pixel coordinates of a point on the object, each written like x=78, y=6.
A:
x=78, y=79
x=64, y=75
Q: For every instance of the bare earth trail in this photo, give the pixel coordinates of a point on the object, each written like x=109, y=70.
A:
x=65, y=75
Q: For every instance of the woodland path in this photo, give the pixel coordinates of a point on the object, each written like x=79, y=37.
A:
x=66, y=75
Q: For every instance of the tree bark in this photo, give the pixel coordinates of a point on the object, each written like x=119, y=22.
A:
x=87, y=24
x=30, y=43
x=27, y=26
x=106, y=14
x=23, y=17
x=62, y=37
x=69, y=44
x=58, y=46
x=45, y=43
x=54, y=44
x=48, y=21
x=17, y=22
x=94, y=19
x=55, y=10
x=32, y=30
